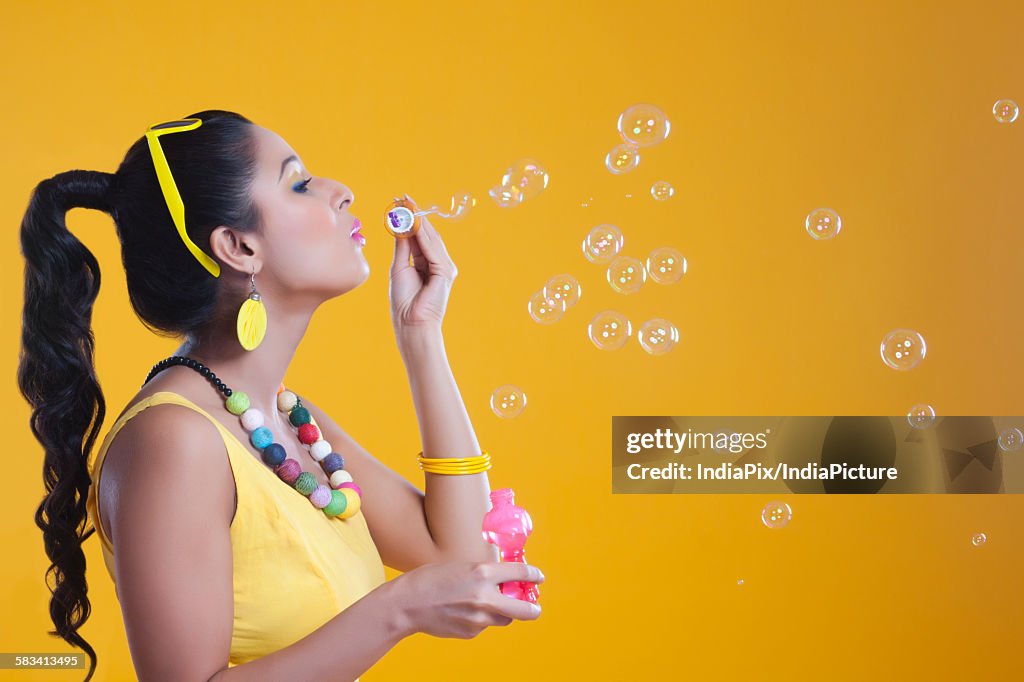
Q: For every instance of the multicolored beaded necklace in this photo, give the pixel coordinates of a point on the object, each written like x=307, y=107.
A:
x=342, y=500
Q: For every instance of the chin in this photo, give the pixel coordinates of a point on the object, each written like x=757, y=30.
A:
x=365, y=271
x=353, y=278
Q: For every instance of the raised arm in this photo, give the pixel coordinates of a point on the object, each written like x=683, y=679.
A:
x=422, y=275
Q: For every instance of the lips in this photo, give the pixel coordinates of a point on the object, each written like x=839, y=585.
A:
x=355, y=234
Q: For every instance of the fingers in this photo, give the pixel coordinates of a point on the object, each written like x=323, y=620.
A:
x=418, y=259
x=501, y=572
x=505, y=571
x=431, y=242
x=402, y=252
x=518, y=609
x=432, y=247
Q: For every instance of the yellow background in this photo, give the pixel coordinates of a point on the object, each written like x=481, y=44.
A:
x=879, y=110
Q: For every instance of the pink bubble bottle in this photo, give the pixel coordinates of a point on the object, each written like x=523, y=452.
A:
x=508, y=525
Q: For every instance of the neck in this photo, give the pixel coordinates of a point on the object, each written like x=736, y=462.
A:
x=257, y=373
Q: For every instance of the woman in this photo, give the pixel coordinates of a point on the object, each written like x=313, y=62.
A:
x=222, y=569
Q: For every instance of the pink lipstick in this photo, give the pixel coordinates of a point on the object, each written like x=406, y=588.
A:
x=355, y=234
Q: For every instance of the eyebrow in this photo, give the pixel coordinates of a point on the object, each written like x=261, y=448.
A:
x=284, y=164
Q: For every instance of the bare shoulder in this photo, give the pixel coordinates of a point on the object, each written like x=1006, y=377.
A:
x=165, y=445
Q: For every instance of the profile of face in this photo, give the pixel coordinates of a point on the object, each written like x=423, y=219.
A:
x=305, y=253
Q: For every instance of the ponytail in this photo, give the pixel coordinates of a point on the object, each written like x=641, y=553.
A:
x=170, y=292
x=57, y=377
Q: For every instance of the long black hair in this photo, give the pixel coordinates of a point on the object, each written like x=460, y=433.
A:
x=171, y=292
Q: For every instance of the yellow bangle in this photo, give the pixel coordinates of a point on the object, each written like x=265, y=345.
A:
x=462, y=463
x=482, y=455
x=474, y=470
x=455, y=465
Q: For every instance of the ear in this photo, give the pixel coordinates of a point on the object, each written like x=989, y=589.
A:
x=240, y=251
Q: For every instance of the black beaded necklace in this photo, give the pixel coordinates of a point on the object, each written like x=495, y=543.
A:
x=194, y=364
x=343, y=499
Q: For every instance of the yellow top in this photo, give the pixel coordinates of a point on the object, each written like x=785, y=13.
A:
x=295, y=568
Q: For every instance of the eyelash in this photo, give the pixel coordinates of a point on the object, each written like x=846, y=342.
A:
x=302, y=185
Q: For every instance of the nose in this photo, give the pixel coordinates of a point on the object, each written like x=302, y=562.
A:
x=341, y=196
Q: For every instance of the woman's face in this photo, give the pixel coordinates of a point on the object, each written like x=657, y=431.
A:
x=308, y=249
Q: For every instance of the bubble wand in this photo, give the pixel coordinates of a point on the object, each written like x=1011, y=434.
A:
x=403, y=217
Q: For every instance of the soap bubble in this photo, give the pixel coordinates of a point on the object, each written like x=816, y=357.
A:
x=978, y=539
x=658, y=336
x=586, y=202
x=626, y=275
x=622, y=159
x=903, y=349
x=662, y=191
x=643, y=125
x=508, y=401
x=609, y=330
x=528, y=175
x=666, y=265
x=776, y=514
x=545, y=309
x=921, y=416
x=823, y=223
x=740, y=581
x=506, y=196
x=1010, y=440
x=565, y=288
x=462, y=202
x=602, y=243
x=1005, y=111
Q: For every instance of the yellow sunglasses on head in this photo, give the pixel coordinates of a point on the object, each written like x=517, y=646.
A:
x=171, y=194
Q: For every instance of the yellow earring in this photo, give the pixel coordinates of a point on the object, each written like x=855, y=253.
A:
x=252, y=319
